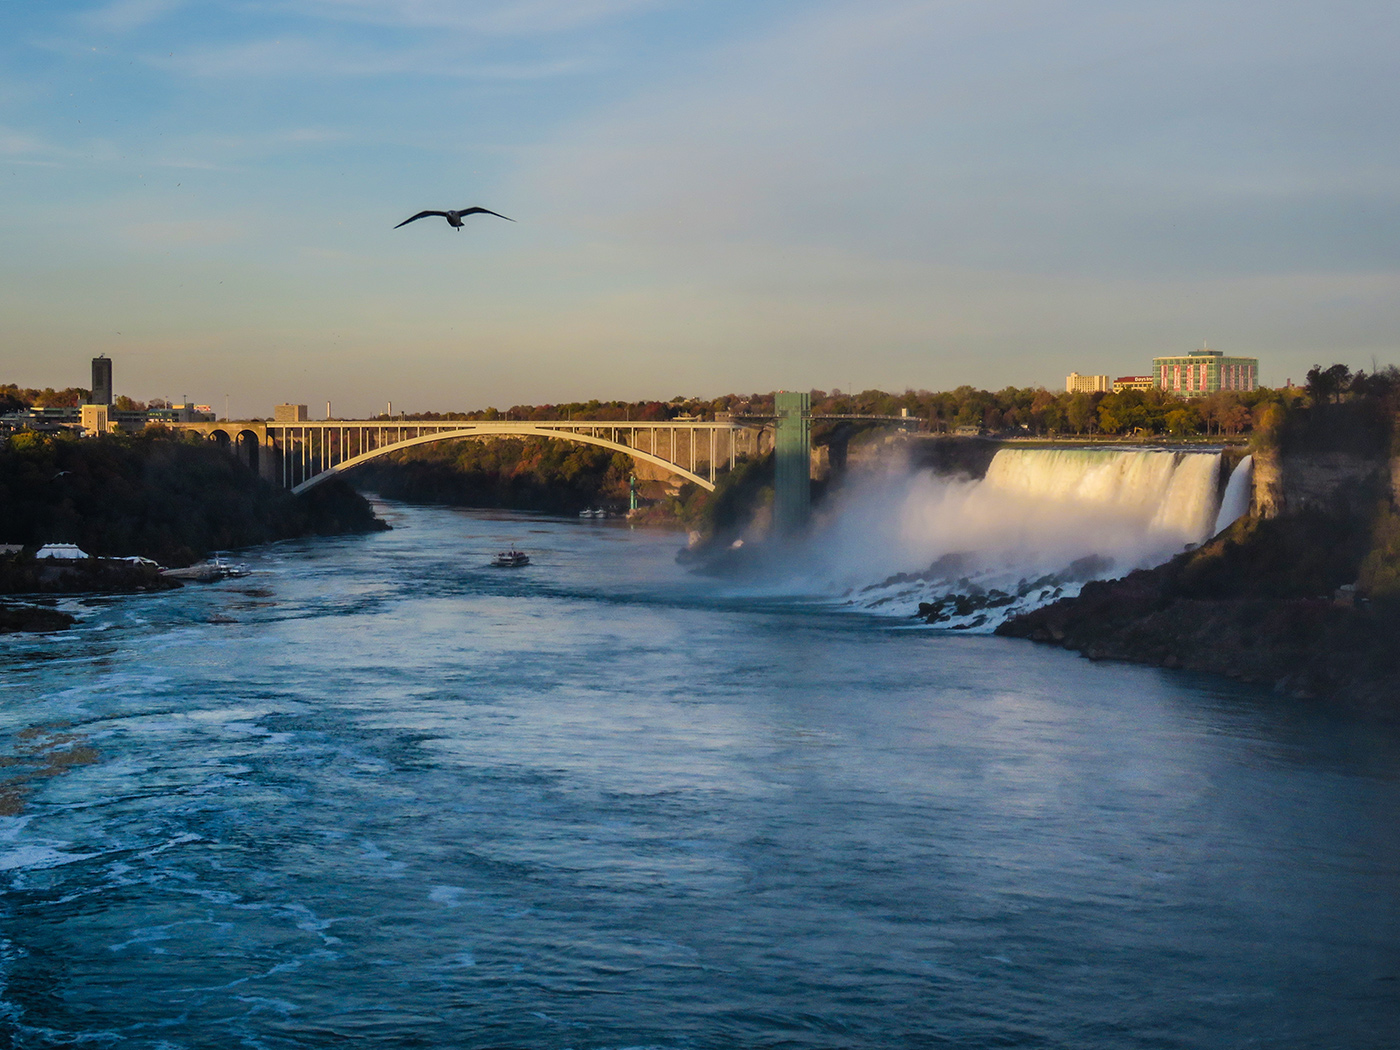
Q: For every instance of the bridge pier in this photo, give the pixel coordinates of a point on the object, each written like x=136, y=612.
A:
x=792, y=462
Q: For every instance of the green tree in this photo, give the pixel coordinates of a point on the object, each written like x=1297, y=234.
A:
x=1326, y=385
x=1183, y=421
x=1081, y=412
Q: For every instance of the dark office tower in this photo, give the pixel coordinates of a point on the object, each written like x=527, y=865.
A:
x=101, y=381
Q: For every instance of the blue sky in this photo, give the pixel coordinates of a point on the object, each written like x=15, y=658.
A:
x=710, y=197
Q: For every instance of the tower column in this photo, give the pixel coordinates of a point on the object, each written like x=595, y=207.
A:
x=792, y=462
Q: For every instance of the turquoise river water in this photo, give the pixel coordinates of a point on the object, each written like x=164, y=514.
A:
x=379, y=794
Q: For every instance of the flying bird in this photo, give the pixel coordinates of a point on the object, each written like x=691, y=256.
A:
x=454, y=218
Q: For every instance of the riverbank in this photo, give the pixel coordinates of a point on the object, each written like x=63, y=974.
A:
x=1273, y=601
x=81, y=576
x=153, y=495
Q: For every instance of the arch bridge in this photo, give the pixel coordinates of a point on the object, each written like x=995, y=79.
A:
x=300, y=455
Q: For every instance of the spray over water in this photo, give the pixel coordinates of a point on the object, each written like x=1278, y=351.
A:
x=1038, y=526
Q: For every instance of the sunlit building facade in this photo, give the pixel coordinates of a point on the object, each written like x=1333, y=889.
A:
x=1078, y=384
x=1133, y=383
x=1203, y=372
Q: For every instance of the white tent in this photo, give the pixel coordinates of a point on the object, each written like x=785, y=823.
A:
x=62, y=551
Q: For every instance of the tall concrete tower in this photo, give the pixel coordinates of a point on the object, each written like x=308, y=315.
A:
x=792, y=462
x=101, y=381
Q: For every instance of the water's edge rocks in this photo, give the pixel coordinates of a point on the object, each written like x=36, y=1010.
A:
x=33, y=618
x=1269, y=600
x=85, y=576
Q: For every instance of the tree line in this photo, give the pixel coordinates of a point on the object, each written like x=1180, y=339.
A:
x=16, y=398
x=1011, y=411
x=156, y=494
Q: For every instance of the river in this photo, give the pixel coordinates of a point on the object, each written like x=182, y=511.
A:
x=379, y=794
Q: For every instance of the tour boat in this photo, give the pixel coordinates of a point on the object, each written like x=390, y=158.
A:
x=510, y=559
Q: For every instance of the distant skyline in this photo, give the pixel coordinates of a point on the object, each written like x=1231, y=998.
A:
x=709, y=197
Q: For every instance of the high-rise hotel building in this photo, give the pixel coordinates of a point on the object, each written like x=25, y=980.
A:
x=101, y=381
x=1203, y=372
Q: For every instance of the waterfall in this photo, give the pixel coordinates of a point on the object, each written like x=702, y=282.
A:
x=1235, y=503
x=1040, y=524
x=1170, y=492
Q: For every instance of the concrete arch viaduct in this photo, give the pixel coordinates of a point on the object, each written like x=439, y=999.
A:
x=301, y=455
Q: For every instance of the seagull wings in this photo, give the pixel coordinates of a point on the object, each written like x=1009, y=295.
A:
x=421, y=215
x=477, y=211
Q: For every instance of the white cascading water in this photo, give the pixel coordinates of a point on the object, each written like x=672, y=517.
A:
x=1234, y=504
x=1038, y=526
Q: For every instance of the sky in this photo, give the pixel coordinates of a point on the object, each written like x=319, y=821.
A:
x=709, y=196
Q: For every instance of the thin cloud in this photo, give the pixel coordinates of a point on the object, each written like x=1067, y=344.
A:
x=313, y=58
x=17, y=144
x=18, y=147
x=511, y=18
x=124, y=16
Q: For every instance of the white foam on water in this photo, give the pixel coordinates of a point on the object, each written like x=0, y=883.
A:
x=30, y=858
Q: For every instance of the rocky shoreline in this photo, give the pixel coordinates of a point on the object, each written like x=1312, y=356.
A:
x=1269, y=601
x=81, y=576
x=1308, y=647
x=26, y=577
x=37, y=619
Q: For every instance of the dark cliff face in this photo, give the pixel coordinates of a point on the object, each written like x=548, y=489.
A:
x=1318, y=481
x=1307, y=647
x=953, y=456
x=1329, y=458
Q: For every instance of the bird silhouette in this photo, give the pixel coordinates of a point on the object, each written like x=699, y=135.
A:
x=454, y=218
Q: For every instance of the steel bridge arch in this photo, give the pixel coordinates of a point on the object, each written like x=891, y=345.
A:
x=522, y=430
